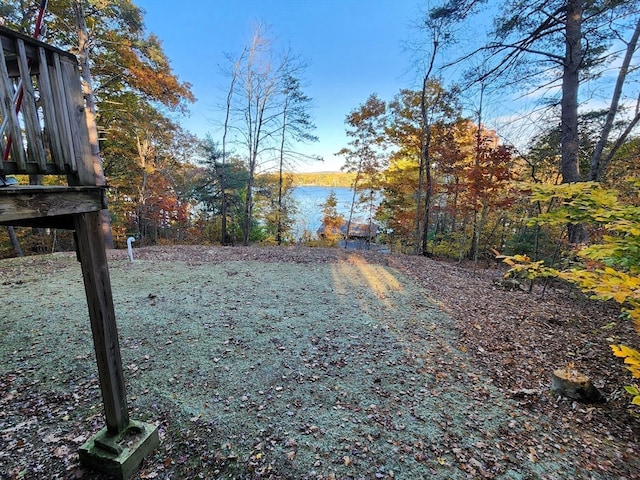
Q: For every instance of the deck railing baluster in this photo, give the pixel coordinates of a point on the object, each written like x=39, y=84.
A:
x=12, y=128
x=49, y=112
x=29, y=110
x=62, y=114
x=48, y=134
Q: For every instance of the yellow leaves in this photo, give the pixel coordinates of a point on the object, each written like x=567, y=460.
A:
x=606, y=283
x=523, y=267
x=623, y=351
x=611, y=267
x=627, y=226
x=586, y=202
x=515, y=259
x=632, y=359
x=634, y=314
x=576, y=194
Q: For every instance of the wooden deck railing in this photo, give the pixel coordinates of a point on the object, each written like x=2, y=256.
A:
x=48, y=135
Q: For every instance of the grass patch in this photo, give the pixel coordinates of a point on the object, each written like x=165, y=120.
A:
x=254, y=369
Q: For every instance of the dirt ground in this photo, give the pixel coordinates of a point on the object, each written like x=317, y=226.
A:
x=299, y=363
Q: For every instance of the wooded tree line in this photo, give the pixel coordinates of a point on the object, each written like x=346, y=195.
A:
x=565, y=204
x=581, y=59
x=166, y=185
x=452, y=187
x=447, y=184
x=133, y=95
x=424, y=164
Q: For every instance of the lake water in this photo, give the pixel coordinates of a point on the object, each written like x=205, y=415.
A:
x=310, y=200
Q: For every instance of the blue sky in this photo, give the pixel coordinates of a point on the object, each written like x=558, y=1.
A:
x=353, y=48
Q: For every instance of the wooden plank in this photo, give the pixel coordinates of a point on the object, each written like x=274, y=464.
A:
x=3, y=146
x=78, y=121
x=13, y=126
x=49, y=112
x=3, y=126
x=3, y=114
x=8, y=38
x=64, y=222
x=10, y=168
x=33, y=129
x=62, y=114
x=20, y=203
x=97, y=283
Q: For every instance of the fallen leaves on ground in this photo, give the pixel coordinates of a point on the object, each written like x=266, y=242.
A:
x=330, y=365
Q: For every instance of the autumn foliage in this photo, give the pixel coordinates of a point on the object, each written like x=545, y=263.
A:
x=608, y=268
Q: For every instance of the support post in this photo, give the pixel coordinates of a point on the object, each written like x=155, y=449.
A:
x=118, y=448
x=97, y=284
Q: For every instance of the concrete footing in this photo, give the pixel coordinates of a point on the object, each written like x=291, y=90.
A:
x=120, y=455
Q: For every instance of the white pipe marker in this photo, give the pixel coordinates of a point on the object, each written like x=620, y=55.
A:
x=129, y=241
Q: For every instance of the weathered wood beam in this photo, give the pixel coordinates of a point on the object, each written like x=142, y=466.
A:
x=97, y=284
x=8, y=39
x=62, y=113
x=74, y=95
x=49, y=112
x=64, y=222
x=32, y=202
x=12, y=168
x=119, y=447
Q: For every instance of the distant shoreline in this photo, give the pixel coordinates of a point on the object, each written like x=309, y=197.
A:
x=323, y=179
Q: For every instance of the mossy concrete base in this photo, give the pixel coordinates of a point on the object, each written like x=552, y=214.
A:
x=120, y=455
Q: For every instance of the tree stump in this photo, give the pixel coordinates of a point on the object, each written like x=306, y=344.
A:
x=509, y=283
x=575, y=385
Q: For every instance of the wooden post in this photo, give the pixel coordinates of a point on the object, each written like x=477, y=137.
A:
x=97, y=285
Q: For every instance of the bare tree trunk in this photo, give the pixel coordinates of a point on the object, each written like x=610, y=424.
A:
x=427, y=201
x=477, y=225
x=259, y=90
x=83, y=54
x=371, y=214
x=425, y=154
x=569, y=116
x=223, y=178
x=14, y=241
x=280, y=171
x=570, y=84
x=248, y=210
x=478, y=228
x=454, y=209
x=419, y=217
x=425, y=160
x=596, y=159
x=353, y=204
